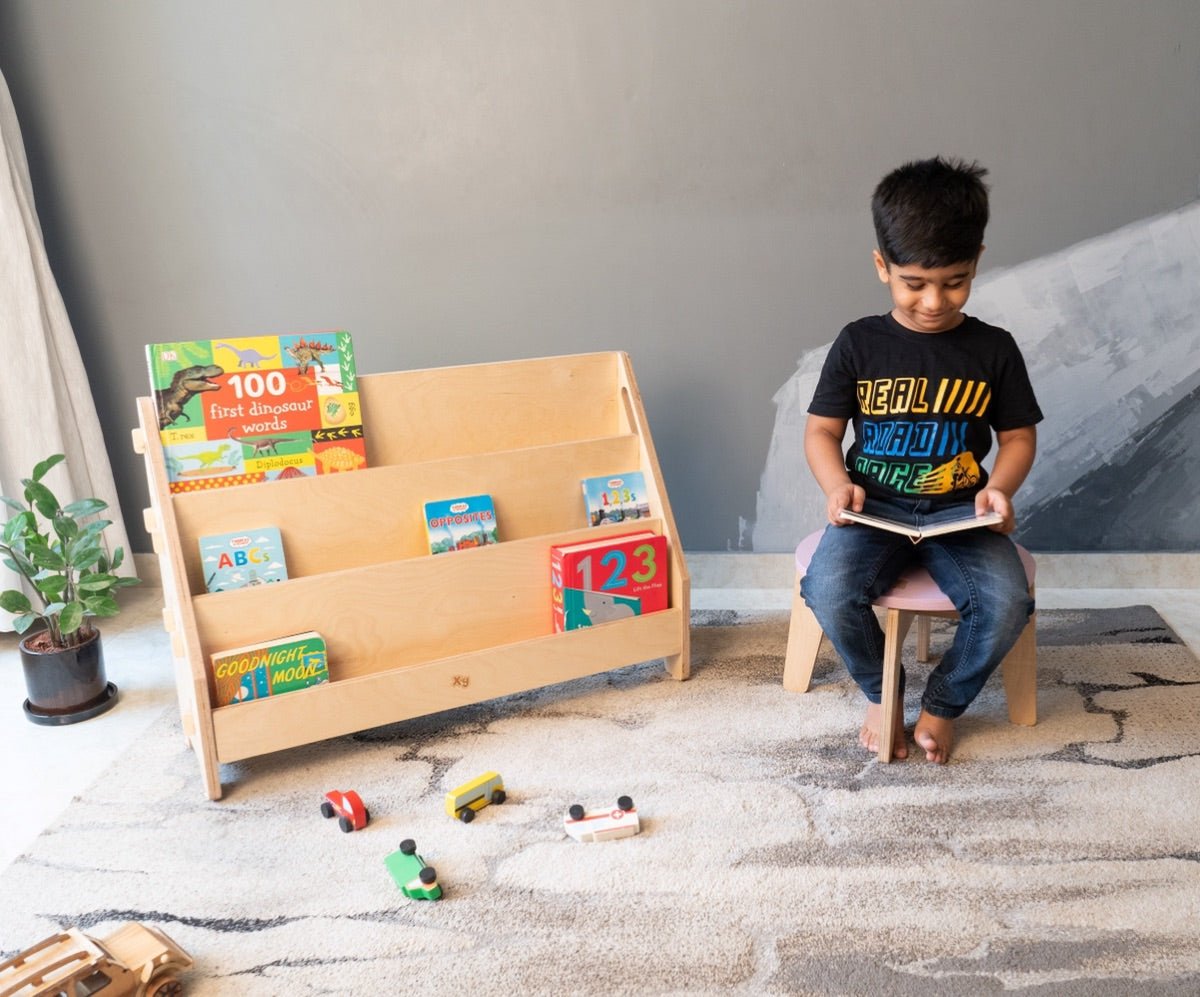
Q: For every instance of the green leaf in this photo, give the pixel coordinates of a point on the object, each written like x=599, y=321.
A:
x=96, y=582
x=87, y=558
x=23, y=623
x=123, y=583
x=12, y=503
x=71, y=618
x=51, y=585
x=101, y=605
x=40, y=469
x=12, y=601
x=118, y=559
x=82, y=546
x=41, y=498
x=84, y=507
x=18, y=525
x=65, y=527
x=44, y=557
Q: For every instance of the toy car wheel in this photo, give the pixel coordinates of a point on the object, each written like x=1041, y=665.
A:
x=366, y=816
x=624, y=802
x=498, y=796
x=466, y=815
x=428, y=875
x=576, y=812
x=346, y=824
x=408, y=846
x=168, y=986
x=326, y=809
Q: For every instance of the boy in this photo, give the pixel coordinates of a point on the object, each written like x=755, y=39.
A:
x=925, y=386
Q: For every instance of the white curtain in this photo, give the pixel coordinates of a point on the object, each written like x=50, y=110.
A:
x=46, y=405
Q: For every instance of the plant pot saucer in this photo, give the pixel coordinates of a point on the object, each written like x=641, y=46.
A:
x=106, y=701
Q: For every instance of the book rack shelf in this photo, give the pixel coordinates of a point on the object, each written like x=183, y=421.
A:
x=411, y=633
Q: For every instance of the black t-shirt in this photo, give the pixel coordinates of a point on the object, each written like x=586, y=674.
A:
x=924, y=405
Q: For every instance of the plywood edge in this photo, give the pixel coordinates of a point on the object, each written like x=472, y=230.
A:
x=191, y=673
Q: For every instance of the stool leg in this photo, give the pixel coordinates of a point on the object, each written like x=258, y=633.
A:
x=804, y=643
x=1019, y=669
x=895, y=627
x=923, y=622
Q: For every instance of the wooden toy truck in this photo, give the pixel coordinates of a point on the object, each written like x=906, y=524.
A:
x=411, y=633
x=136, y=960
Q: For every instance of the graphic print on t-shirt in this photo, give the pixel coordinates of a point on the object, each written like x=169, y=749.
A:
x=919, y=456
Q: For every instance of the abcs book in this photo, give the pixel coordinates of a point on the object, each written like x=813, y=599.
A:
x=244, y=557
x=614, y=498
x=460, y=523
x=604, y=580
x=918, y=533
x=269, y=668
x=257, y=408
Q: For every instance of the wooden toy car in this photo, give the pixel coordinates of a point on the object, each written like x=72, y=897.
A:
x=475, y=795
x=601, y=825
x=136, y=960
x=348, y=806
x=409, y=871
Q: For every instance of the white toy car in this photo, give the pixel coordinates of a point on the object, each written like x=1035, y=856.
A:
x=620, y=821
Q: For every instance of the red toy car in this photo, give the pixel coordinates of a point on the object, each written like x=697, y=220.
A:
x=351, y=814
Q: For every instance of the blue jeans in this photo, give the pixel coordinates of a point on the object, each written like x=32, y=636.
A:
x=979, y=570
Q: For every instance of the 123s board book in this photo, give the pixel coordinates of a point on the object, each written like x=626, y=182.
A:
x=605, y=580
x=615, y=498
x=257, y=408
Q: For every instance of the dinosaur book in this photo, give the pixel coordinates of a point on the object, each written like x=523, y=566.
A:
x=242, y=558
x=258, y=408
x=605, y=580
x=269, y=668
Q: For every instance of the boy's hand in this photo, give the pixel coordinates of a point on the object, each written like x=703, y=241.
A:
x=845, y=496
x=994, y=500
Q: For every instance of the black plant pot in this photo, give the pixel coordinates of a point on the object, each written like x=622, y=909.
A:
x=66, y=686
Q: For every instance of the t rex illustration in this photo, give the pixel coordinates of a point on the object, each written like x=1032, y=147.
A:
x=306, y=353
x=187, y=382
x=247, y=357
x=262, y=445
x=210, y=457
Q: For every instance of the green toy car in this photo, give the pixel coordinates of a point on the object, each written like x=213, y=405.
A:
x=415, y=879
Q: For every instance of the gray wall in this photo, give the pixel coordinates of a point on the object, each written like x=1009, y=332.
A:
x=453, y=183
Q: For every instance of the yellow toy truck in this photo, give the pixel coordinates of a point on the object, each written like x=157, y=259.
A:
x=136, y=960
x=475, y=795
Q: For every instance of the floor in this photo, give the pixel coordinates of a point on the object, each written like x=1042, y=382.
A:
x=43, y=768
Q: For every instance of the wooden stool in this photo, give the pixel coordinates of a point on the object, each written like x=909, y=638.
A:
x=915, y=596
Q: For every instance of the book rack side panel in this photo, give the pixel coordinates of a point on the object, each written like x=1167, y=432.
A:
x=191, y=675
x=343, y=707
x=419, y=415
x=635, y=421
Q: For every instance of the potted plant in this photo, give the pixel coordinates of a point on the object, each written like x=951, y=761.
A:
x=72, y=579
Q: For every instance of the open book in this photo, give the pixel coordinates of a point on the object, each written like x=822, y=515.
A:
x=918, y=533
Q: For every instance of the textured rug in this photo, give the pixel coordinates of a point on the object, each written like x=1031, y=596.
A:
x=776, y=856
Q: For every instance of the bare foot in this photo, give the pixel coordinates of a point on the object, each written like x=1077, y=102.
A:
x=935, y=735
x=868, y=736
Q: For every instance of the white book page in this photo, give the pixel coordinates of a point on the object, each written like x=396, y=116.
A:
x=915, y=533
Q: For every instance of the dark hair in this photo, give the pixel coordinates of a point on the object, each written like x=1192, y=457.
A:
x=931, y=213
